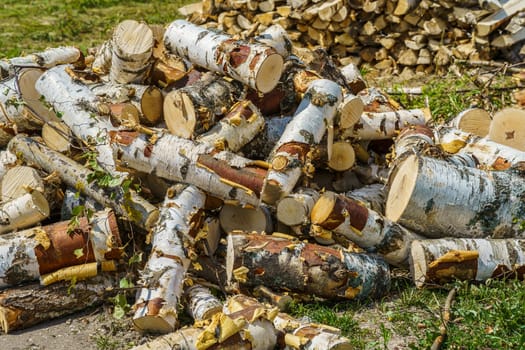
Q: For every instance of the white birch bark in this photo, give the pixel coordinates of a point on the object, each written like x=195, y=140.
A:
x=261, y=146
x=488, y=153
x=256, y=65
x=439, y=199
x=294, y=209
x=7, y=160
x=201, y=304
x=372, y=196
x=380, y=126
x=131, y=206
x=277, y=38
x=177, y=159
x=45, y=59
x=413, y=139
x=156, y=303
x=132, y=47
x=242, y=123
x=102, y=62
x=69, y=98
x=353, y=78
x=315, y=113
x=22, y=212
x=442, y=260
x=363, y=226
x=23, y=253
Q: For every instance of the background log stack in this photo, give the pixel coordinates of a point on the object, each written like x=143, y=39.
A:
x=386, y=34
x=249, y=195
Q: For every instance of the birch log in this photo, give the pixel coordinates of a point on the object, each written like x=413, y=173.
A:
x=23, y=307
x=127, y=204
x=200, y=303
x=298, y=334
x=276, y=37
x=372, y=196
x=473, y=120
x=45, y=59
x=380, y=126
x=68, y=98
x=363, y=226
x=7, y=160
x=439, y=199
x=239, y=218
x=238, y=127
x=256, y=65
x=32, y=254
x=353, y=78
x=314, y=114
x=26, y=80
x=437, y=261
x=156, y=303
x=224, y=174
x=58, y=137
x=488, y=153
x=132, y=47
x=102, y=62
x=24, y=211
x=261, y=146
x=282, y=264
x=194, y=109
x=349, y=111
x=413, y=139
x=507, y=128
x=294, y=209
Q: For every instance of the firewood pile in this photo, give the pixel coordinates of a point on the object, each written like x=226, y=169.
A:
x=387, y=34
x=240, y=169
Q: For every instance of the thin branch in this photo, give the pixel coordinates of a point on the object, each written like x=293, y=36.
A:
x=445, y=318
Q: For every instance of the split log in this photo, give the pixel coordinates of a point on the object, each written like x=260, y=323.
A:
x=26, y=306
x=294, y=209
x=255, y=65
x=508, y=128
x=304, y=268
x=38, y=252
x=489, y=154
x=405, y=6
x=200, y=303
x=223, y=175
x=156, y=303
x=490, y=23
x=437, y=261
x=193, y=110
x=45, y=59
x=239, y=218
x=315, y=113
x=298, y=334
x=473, y=120
x=23, y=211
x=380, y=126
x=127, y=204
x=238, y=127
x=132, y=47
x=363, y=226
x=69, y=98
x=438, y=199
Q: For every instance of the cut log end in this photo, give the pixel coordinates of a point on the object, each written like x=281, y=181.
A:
x=350, y=111
x=343, y=156
x=180, y=115
x=322, y=208
x=290, y=212
x=418, y=265
x=269, y=73
x=401, y=187
x=133, y=37
x=272, y=192
x=151, y=105
x=475, y=121
x=234, y=217
x=57, y=136
x=153, y=324
x=508, y=128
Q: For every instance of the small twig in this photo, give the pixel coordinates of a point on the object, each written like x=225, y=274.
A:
x=419, y=90
x=445, y=318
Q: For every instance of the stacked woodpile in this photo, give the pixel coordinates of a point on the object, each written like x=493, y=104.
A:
x=259, y=176
x=387, y=34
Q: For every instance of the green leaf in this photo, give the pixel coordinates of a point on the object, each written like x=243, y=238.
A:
x=125, y=283
x=78, y=210
x=136, y=258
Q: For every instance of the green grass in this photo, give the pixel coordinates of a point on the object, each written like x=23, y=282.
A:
x=29, y=26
